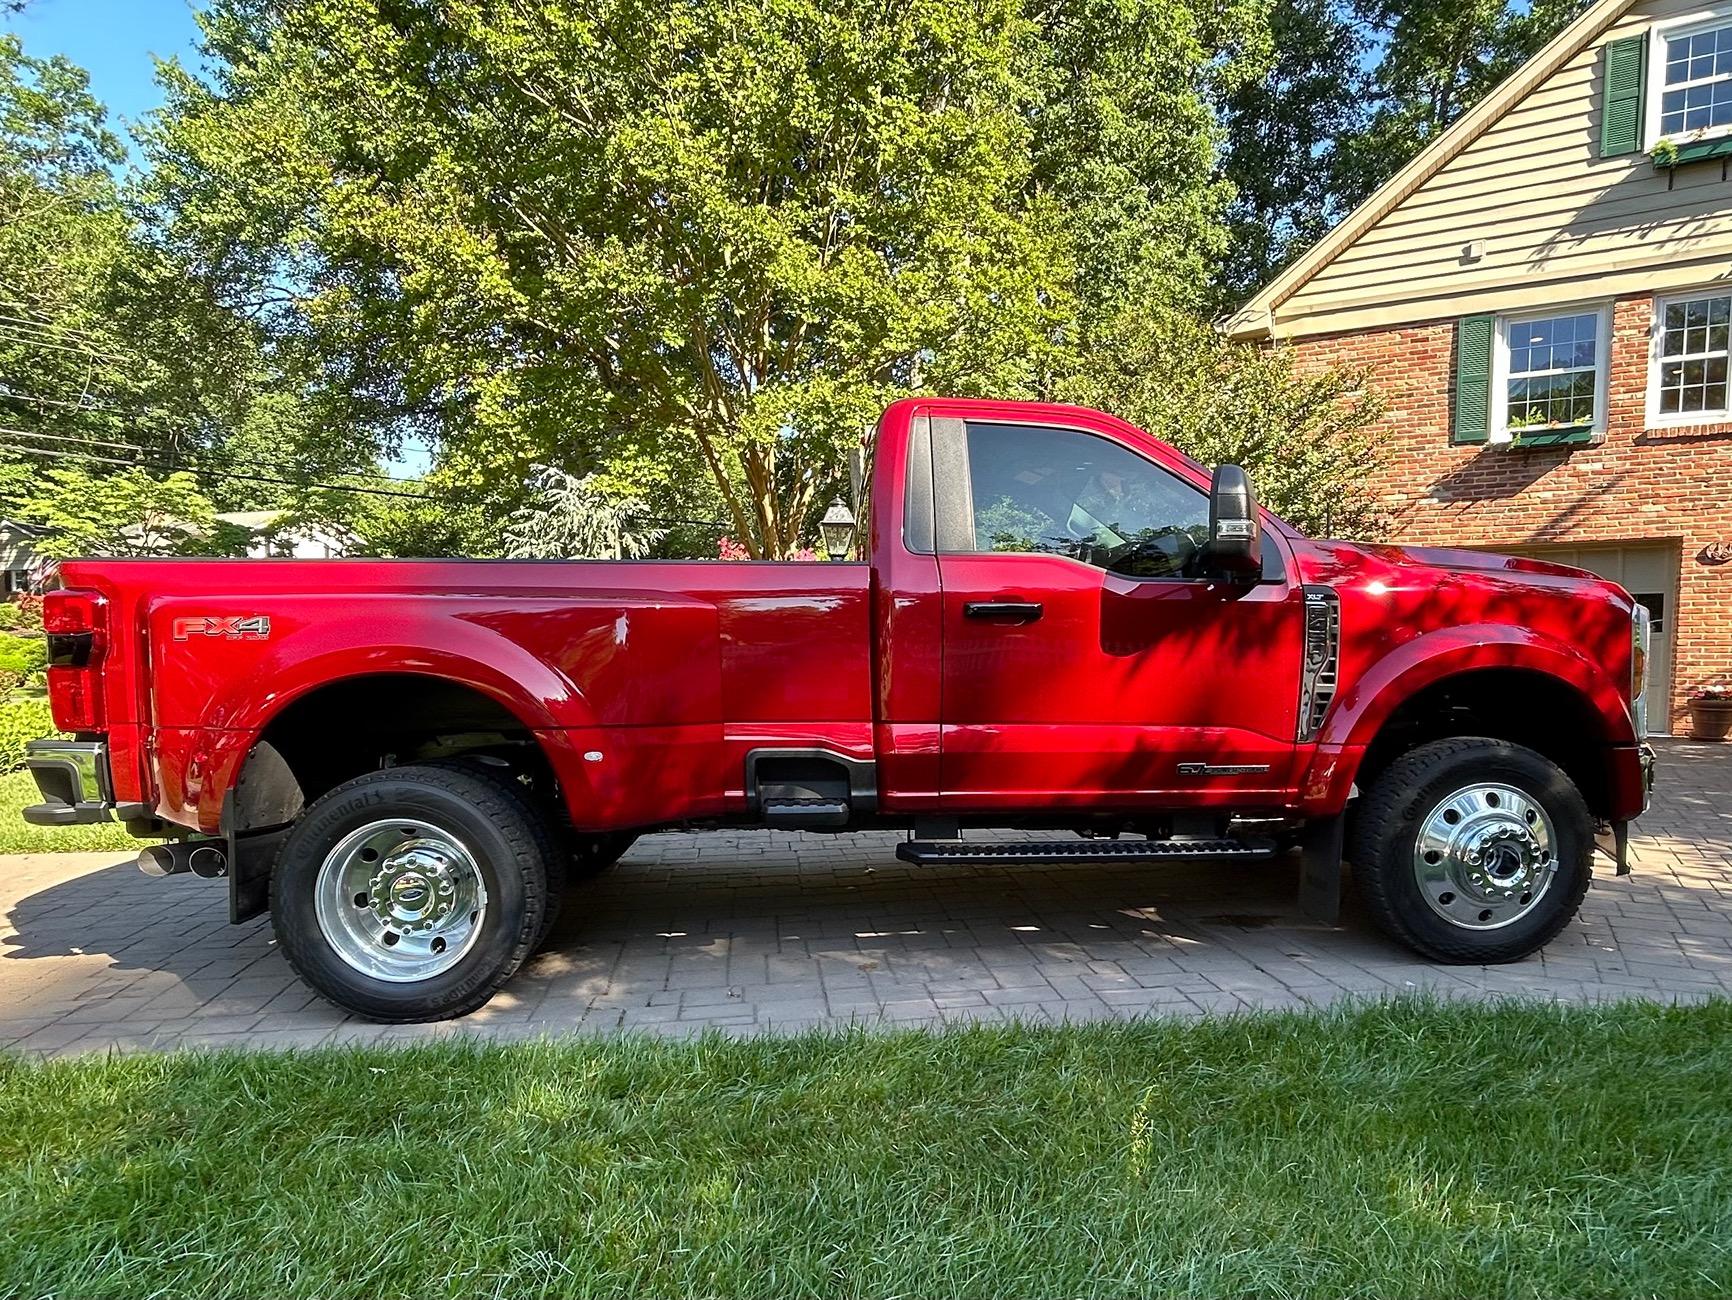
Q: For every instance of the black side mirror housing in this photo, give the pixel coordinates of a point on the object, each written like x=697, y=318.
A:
x=1235, y=548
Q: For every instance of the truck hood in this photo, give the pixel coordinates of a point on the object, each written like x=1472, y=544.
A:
x=1335, y=562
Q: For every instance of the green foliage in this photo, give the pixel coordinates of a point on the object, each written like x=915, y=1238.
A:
x=126, y=513
x=570, y=518
x=1286, y=133
x=23, y=655
x=22, y=719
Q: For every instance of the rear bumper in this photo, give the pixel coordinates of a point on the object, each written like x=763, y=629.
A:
x=74, y=779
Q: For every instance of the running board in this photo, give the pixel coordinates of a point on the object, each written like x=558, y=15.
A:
x=933, y=852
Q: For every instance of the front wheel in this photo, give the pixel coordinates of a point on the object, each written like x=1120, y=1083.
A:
x=1472, y=850
x=412, y=893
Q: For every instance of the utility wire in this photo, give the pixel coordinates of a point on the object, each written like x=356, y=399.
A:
x=47, y=325
x=56, y=453
x=41, y=342
x=88, y=441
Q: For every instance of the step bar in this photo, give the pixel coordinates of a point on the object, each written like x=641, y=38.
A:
x=941, y=852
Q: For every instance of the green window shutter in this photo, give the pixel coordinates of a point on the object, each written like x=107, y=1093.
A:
x=1473, y=336
x=1621, y=119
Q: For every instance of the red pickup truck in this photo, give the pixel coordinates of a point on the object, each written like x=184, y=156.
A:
x=1062, y=624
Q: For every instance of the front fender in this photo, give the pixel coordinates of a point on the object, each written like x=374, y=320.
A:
x=1359, y=712
x=1366, y=704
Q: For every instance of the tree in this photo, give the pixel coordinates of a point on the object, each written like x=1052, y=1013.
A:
x=1287, y=131
x=691, y=249
x=1305, y=438
x=570, y=518
x=129, y=513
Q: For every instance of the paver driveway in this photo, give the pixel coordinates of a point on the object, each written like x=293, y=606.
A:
x=772, y=930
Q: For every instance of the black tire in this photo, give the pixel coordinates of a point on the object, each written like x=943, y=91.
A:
x=1386, y=824
x=593, y=854
x=512, y=849
x=558, y=874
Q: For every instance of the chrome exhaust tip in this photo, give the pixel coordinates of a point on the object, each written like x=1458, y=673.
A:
x=162, y=860
x=208, y=862
x=206, y=858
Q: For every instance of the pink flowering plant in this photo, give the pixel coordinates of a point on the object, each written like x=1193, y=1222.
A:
x=729, y=549
x=1719, y=692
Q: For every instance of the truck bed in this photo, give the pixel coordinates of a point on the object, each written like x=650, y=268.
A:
x=669, y=672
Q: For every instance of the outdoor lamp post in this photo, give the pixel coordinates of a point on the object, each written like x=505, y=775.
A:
x=837, y=525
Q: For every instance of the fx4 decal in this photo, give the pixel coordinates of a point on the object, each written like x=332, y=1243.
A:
x=254, y=628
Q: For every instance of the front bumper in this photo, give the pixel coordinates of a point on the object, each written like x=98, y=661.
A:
x=1614, y=836
x=73, y=778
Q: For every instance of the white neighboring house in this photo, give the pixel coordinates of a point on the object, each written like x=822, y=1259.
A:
x=303, y=541
x=291, y=541
x=18, y=558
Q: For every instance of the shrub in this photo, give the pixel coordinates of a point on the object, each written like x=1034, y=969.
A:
x=21, y=721
x=22, y=655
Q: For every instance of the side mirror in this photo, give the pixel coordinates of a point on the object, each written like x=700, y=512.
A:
x=1235, y=530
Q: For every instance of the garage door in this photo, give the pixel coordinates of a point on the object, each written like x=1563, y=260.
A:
x=1649, y=572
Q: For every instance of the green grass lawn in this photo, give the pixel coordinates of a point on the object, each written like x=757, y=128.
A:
x=18, y=836
x=1397, y=1150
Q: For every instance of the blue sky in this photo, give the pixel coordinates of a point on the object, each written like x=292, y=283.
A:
x=113, y=40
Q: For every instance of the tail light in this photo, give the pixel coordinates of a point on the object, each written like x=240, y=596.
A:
x=77, y=624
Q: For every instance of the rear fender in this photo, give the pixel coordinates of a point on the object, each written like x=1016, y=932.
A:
x=588, y=676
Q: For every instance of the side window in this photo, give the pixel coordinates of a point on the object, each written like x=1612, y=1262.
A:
x=1059, y=492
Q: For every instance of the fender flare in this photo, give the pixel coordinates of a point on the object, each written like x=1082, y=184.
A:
x=270, y=803
x=1358, y=715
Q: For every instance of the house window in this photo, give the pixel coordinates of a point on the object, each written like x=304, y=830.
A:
x=1690, y=96
x=1552, y=374
x=1691, y=358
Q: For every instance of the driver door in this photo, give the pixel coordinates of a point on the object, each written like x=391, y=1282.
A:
x=1087, y=660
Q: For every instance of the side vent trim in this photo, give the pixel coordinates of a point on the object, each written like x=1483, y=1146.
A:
x=1322, y=660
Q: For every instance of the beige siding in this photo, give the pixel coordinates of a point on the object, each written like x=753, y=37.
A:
x=1557, y=221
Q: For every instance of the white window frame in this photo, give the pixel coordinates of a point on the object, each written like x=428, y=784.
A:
x=1656, y=339
x=1500, y=374
x=1688, y=25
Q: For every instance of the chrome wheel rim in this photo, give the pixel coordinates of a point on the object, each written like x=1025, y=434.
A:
x=400, y=900
x=1485, y=856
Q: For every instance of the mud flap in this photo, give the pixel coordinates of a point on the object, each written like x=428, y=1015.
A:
x=1614, y=842
x=250, y=856
x=1320, y=869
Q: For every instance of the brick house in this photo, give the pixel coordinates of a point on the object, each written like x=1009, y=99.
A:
x=1544, y=299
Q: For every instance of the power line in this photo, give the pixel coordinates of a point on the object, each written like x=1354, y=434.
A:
x=81, y=405
x=56, y=453
x=88, y=441
x=40, y=342
x=48, y=325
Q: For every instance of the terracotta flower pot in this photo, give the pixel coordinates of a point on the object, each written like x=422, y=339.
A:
x=1710, y=719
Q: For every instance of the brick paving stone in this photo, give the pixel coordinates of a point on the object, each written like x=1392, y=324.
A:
x=772, y=932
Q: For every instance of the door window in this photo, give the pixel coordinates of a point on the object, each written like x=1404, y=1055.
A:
x=1048, y=491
